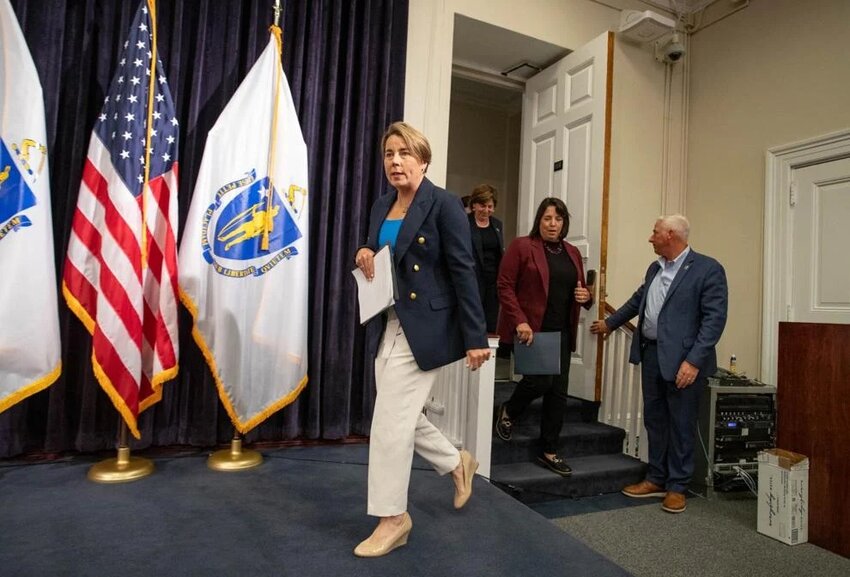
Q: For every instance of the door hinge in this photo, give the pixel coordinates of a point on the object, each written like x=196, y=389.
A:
x=788, y=312
x=792, y=194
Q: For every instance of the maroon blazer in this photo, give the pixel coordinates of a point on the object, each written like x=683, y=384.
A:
x=523, y=286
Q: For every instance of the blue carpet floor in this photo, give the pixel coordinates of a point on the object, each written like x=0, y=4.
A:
x=298, y=514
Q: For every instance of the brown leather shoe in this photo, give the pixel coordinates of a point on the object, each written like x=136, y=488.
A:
x=643, y=489
x=674, y=502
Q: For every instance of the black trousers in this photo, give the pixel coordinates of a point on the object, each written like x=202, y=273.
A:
x=553, y=389
x=490, y=301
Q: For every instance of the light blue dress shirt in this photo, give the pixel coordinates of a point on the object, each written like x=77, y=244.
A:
x=658, y=292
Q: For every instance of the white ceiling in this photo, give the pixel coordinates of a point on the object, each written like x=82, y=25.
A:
x=491, y=64
x=681, y=6
x=671, y=7
x=491, y=49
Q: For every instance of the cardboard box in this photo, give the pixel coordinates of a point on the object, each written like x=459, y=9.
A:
x=783, y=505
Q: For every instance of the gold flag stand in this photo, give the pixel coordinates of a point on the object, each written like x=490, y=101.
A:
x=123, y=468
x=234, y=458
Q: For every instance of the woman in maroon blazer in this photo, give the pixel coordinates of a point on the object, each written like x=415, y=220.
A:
x=541, y=287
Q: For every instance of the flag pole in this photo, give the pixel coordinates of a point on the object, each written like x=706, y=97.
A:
x=269, y=220
x=123, y=468
x=149, y=125
x=234, y=458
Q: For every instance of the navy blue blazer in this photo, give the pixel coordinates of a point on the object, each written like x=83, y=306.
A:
x=438, y=306
x=691, y=319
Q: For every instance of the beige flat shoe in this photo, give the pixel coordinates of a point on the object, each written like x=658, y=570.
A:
x=373, y=548
x=470, y=465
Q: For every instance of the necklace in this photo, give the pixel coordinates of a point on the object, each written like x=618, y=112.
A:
x=404, y=207
x=553, y=248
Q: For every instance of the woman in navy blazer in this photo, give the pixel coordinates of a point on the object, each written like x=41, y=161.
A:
x=436, y=320
x=541, y=288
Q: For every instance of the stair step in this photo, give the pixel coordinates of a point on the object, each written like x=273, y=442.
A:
x=578, y=410
x=577, y=440
x=592, y=475
x=592, y=449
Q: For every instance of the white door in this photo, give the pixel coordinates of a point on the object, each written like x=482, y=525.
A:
x=564, y=155
x=820, y=233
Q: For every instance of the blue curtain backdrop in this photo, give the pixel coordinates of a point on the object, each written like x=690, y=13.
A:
x=345, y=63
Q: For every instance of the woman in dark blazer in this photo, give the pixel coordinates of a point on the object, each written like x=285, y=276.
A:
x=436, y=320
x=488, y=245
x=541, y=288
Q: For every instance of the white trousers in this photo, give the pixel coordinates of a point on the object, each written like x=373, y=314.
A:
x=399, y=427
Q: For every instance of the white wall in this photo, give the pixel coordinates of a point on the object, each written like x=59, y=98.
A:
x=484, y=149
x=477, y=145
x=774, y=73
x=635, y=198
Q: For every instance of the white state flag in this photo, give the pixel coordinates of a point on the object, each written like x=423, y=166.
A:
x=249, y=304
x=29, y=324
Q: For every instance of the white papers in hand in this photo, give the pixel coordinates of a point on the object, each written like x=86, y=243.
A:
x=377, y=295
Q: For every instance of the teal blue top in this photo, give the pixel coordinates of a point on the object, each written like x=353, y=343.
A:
x=389, y=233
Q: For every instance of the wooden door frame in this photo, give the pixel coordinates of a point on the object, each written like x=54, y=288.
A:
x=780, y=162
x=603, y=237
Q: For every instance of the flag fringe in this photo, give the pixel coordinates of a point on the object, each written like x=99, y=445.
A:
x=117, y=400
x=275, y=407
x=156, y=385
x=32, y=388
x=78, y=309
x=241, y=426
x=115, y=396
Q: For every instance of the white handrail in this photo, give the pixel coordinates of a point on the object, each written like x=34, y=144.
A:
x=622, y=402
x=461, y=406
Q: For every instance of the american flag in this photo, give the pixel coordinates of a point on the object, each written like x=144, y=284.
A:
x=124, y=290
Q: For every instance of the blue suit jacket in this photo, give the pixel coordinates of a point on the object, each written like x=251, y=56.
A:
x=438, y=302
x=690, y=321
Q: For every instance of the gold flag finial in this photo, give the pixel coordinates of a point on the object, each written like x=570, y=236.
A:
x=277, y=11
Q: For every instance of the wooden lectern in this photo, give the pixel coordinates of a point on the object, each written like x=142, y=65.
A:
x=813, y=418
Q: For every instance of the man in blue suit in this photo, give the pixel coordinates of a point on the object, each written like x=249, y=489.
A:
x=681, y=309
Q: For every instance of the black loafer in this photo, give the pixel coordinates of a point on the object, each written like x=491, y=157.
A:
x=556, y=464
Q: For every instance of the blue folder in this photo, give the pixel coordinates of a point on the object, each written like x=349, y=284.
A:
x=542, y=357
